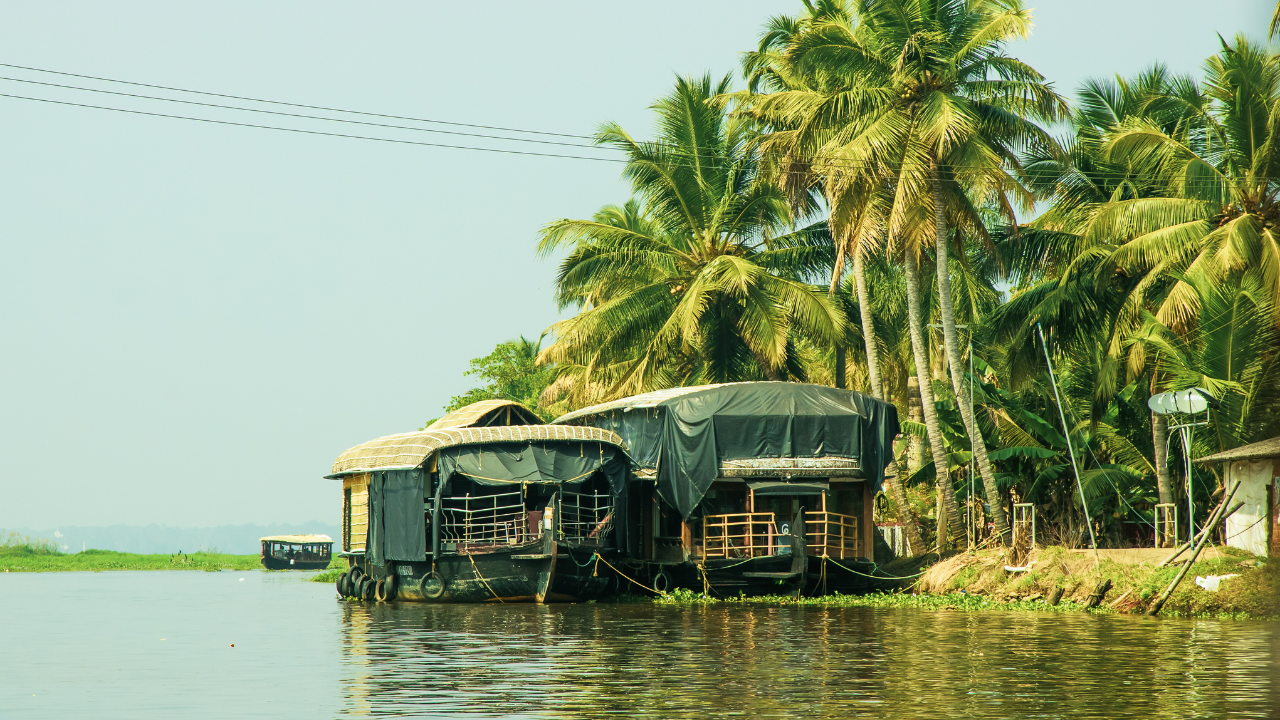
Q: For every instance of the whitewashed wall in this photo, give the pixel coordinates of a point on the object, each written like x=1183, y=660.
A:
x=1247, y=528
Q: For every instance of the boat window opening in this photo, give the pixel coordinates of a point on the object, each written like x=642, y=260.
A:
x=474, y=518
x=586, y=511
x=762, y=526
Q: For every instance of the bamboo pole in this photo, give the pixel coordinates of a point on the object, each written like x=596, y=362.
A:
x=1208, y=528
x=1226, y=498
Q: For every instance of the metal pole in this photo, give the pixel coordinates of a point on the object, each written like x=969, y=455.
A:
x=973, y=531
x=1191, y=508
x=1066, y=431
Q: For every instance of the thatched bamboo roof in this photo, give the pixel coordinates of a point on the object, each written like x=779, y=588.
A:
x=297, y=539
x=486, y=413
x=1254, y=451
x=408, y=450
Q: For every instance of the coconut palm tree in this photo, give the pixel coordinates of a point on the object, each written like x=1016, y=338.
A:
x=857, y=208
x=922, y=96
x=1219, y=202
x=1058, y=267
x=703, y=280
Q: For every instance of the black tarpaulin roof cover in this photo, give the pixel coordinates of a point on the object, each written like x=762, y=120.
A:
x=686, y=433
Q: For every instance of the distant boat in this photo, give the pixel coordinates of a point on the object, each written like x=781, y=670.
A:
x=296, y=552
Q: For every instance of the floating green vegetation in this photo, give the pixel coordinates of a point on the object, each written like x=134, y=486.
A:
x=337, y=566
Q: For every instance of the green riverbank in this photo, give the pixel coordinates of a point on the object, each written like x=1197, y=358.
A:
x=16, y=560
x=981, y=582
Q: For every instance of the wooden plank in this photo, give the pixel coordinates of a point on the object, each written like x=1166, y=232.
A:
x=868, y=525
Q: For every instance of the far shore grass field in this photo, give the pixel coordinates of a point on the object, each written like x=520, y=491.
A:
x=25, y=554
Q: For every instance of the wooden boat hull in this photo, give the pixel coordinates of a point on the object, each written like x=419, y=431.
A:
x=771, y=575
x=274, y=563
x=520, y=574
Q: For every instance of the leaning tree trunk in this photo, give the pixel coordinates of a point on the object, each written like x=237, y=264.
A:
x=936, y=446
x=976, y=441
x=897, y=490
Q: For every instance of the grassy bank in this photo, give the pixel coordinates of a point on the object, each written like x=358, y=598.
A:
x=337, y=566
x=979, y=581
x=18, y=560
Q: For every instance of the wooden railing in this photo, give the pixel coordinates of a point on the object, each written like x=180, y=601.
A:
x=832, y=535
x=739, y=535
x=748, y=535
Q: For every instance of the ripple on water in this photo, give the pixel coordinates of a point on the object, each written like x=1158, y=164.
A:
x=77, y=641
x=652, y=661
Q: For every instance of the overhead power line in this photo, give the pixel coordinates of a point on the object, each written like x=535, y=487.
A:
x=289, y=104
x=298, y=115
x=816, y=159
x=313, y=132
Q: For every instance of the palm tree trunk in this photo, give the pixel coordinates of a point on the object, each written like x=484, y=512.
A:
x=868, y=325
x=1160, y=437
x=936, y=446
x=915, y=446
x=976, y=441
x=897, y=490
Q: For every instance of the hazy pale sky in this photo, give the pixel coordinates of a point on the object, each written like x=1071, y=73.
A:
x=197, y=318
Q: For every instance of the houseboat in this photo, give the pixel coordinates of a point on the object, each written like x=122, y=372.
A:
x=472, y=511
x=755, y=488
x=296, y=552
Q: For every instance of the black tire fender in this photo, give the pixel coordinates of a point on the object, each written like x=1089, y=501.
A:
x=341, y=585
x=390, y=587
x=661, y=581
x=432, y=585
x=380, y=590
x=352, y=584
x=367, y=587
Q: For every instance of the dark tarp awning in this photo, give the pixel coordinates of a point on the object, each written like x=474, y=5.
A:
x=397, y=525
x=553, y=463
x=778, y=487
x=687, y=437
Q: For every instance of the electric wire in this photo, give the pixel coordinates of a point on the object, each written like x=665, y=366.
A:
x=306, y=117
x=817, y=158
x=289, y=104
x=505, y=151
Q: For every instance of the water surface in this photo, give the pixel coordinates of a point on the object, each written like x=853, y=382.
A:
x=159, y=645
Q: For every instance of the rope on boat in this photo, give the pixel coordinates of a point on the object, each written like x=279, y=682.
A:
x=646, y=587
x=582, y=565
x=486, y=582
x=706, y=583
x=877, y=577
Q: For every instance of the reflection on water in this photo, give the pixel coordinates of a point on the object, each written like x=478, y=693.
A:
x=641, y=660
x=160, y=645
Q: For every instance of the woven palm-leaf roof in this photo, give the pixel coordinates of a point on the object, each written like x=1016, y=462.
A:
x=1254, y=451
x=408, y=450
x=297, y=539
x=487, y=412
